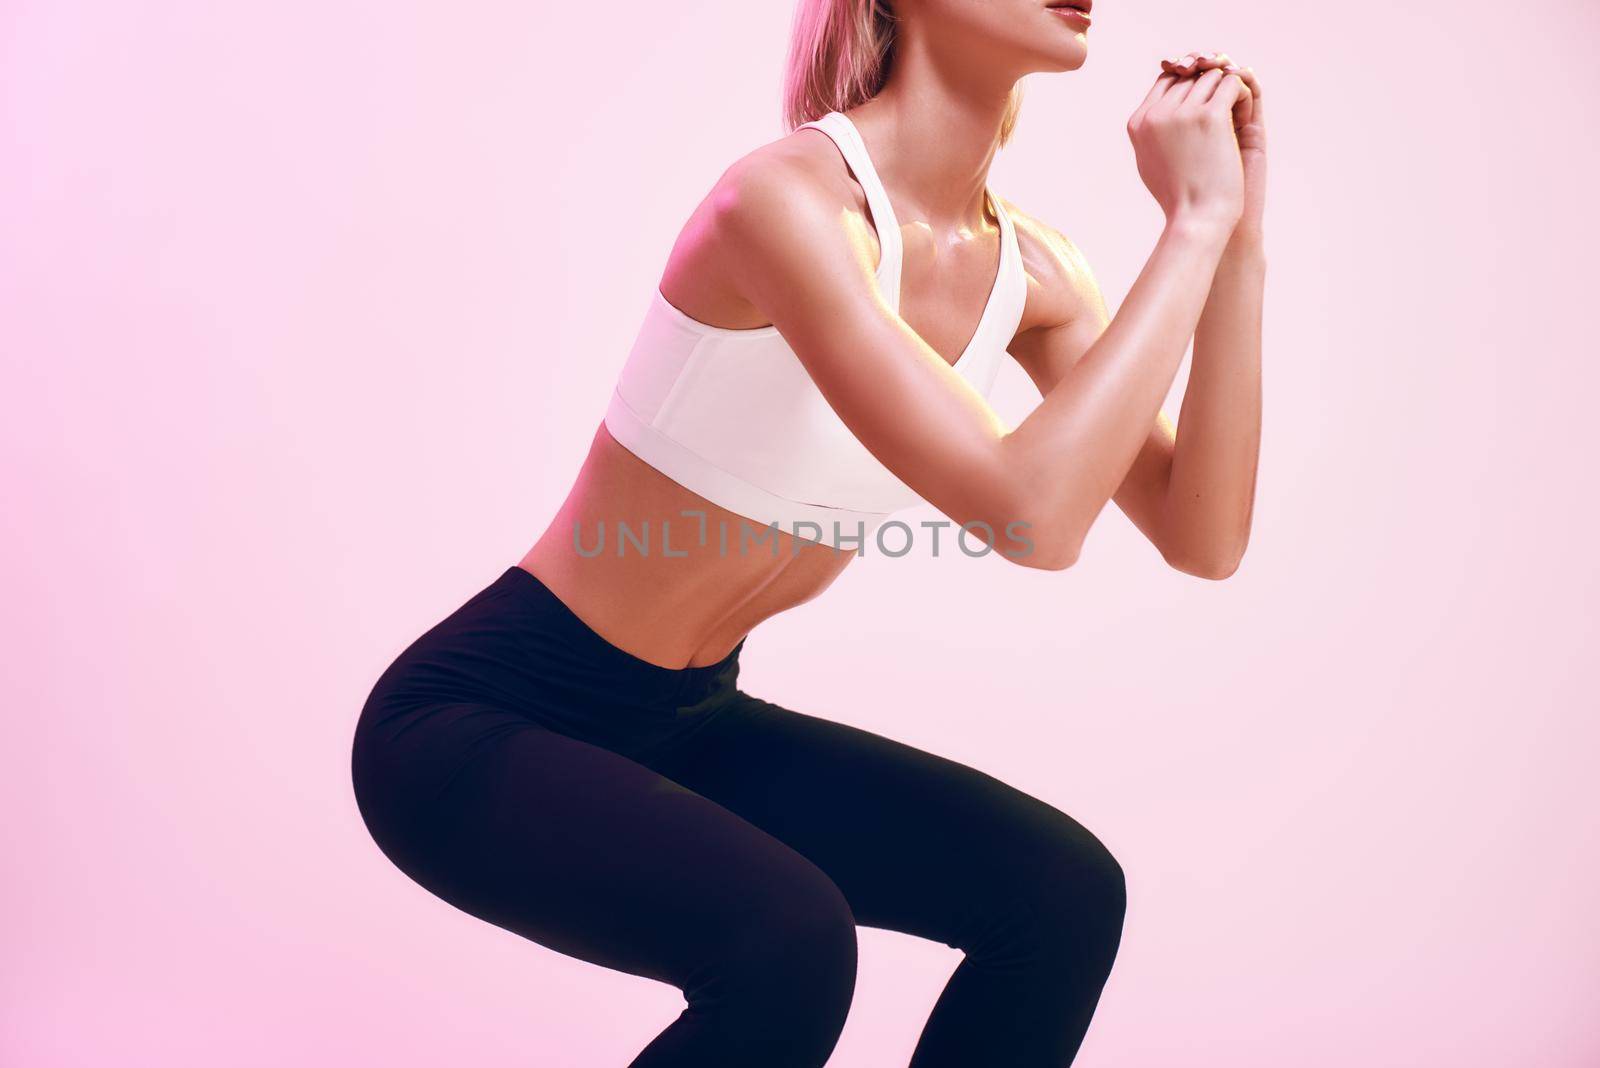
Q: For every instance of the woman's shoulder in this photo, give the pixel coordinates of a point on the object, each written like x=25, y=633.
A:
x=799, y=173
x=781, y=200
x=1061, y=285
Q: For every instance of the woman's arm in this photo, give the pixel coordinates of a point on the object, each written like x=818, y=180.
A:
x=1191, y=492
x=788, y=248
x=1197, y=512
x=1204, y=511
x=1210, y=493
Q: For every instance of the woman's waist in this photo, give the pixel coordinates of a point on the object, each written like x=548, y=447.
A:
x=516, y=645
x=664, y=573
x=671, y=612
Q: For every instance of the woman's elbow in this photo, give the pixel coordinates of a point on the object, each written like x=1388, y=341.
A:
x=1046, y=546
x=1052, y=558
x=1030, y=528
x=1213, y=564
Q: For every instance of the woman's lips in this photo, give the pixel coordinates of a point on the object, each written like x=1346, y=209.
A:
x=1072, y=15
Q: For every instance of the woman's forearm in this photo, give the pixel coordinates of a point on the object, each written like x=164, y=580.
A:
x=1073, y=451
x=1211, y=488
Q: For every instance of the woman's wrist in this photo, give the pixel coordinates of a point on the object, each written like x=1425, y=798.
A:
x=1208, y=230
x=1247, y=241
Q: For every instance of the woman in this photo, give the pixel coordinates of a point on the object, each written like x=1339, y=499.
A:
x=568, y=755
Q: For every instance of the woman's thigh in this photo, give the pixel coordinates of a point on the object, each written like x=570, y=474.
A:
x=591, y=854
x=918, y=843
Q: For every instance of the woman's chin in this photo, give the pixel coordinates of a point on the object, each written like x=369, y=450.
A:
x=1070, y=57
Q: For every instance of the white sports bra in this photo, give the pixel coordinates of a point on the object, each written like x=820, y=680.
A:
x=733, y=416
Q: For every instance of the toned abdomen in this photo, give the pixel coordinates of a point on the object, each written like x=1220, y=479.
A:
x=673, y=589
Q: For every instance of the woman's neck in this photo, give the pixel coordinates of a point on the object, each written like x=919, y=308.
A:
x=932, y=137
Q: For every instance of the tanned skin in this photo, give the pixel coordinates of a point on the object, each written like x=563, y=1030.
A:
x=785, y=237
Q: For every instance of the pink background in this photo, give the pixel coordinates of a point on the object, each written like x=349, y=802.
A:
x=307, y=312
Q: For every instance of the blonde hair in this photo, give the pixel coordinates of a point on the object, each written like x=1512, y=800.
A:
x=840, y=52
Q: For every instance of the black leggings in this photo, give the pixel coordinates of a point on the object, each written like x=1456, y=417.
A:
x=666, y=824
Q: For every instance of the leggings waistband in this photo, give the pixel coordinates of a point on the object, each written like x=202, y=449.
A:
x=629, y=672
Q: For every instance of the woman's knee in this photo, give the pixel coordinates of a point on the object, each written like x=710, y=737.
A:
x=800, y=939
x=787, y=967
x=1079, y=894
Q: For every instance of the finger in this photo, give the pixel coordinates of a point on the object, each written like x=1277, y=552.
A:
x=1157, y=91
x=1182, y=65
x=1248, y=74
x=1227, y=92
x=1204, y=86
x=1176, y=94
x=1244, y=109
x=1249, y=77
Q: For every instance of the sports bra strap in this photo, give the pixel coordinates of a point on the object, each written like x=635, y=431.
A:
x=838, y=126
